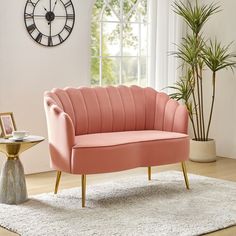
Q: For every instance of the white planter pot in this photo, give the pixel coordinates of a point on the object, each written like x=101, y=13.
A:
x=202, y=151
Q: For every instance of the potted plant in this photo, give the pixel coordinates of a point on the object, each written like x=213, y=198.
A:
x=199, y=55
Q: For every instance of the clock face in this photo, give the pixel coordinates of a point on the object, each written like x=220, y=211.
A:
x=49, y=22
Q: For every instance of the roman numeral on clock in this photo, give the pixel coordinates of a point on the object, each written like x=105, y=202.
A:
x=68, y=28
x=31, y=28
x=68, y=4
x=28, y=15
x=70, y=16
x=39, y=37
x=60, y=38
x=50, y=43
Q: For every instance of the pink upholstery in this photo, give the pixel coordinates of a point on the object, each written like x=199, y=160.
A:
x=96, y=130
x=115, y=151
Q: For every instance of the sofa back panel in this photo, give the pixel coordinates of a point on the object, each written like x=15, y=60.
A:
x=65, y=102
x=161, y=101
x=105, y=109
x=170, y=110
x=93, y=111
x=81, y=115
x=181, y=120
x=140, y=107
x=129, y=107
x=117, y=109
x=150, y=108
x=110, y=109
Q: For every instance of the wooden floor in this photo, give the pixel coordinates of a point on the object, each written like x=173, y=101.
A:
x=224, y=168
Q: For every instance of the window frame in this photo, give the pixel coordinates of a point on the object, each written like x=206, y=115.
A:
x=122, y=20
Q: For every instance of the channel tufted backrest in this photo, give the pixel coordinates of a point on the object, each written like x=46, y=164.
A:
x=110, y=109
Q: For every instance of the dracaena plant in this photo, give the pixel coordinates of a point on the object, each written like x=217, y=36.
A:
x=198, y=54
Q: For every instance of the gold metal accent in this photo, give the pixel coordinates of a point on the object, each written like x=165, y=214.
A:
x=83, y=185
x=13, y=149
x=57, y=181
x=13, y=157
x=185, y=174
x=149, y=173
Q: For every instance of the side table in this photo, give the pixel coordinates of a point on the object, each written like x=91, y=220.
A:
x=12, y=181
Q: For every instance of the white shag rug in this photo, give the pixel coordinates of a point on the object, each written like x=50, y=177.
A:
x=131, y=206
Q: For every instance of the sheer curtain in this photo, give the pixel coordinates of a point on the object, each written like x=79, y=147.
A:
x=166, y=31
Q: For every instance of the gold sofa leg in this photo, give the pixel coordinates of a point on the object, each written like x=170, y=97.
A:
x=185, y=174
x=83, y=185
x=57, y=181
x=149, y=173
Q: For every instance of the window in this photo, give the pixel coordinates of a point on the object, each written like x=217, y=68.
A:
x=119, y=42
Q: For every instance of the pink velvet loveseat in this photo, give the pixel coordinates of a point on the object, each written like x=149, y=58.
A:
x=99, y=130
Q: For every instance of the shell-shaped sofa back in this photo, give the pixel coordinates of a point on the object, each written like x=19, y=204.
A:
x=112, y=109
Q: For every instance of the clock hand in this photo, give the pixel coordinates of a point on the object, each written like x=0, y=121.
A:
x=43, y=16
x=45, y=9
x=50, y=35
x=50, y=28
x=54, y=6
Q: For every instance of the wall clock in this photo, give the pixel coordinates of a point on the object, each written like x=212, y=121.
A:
x=49, y=22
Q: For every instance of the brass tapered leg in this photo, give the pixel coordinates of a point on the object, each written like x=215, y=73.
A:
x=149, y=173
x=57, y=181
x=185, y=174
x=83, y=185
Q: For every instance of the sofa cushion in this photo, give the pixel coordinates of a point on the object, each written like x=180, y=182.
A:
x=115, y=151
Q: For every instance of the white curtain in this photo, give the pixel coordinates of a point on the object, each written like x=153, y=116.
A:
x=166, y=31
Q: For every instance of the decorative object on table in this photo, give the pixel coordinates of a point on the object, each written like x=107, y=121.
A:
x=7, y=124
x=110, y=131
x=49, y=22
x=129, y=206
x=198, y=53
x=12, y=182
x=19, y=135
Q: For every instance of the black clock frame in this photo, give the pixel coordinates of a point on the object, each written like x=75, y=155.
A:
x=50, y=16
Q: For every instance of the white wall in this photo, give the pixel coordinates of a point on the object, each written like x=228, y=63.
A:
x=28, y=69
x=222, y=26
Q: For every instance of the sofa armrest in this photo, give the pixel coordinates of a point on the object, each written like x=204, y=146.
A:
x=61, y=135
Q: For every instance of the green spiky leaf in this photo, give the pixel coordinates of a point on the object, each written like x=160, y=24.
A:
x=195, y=15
